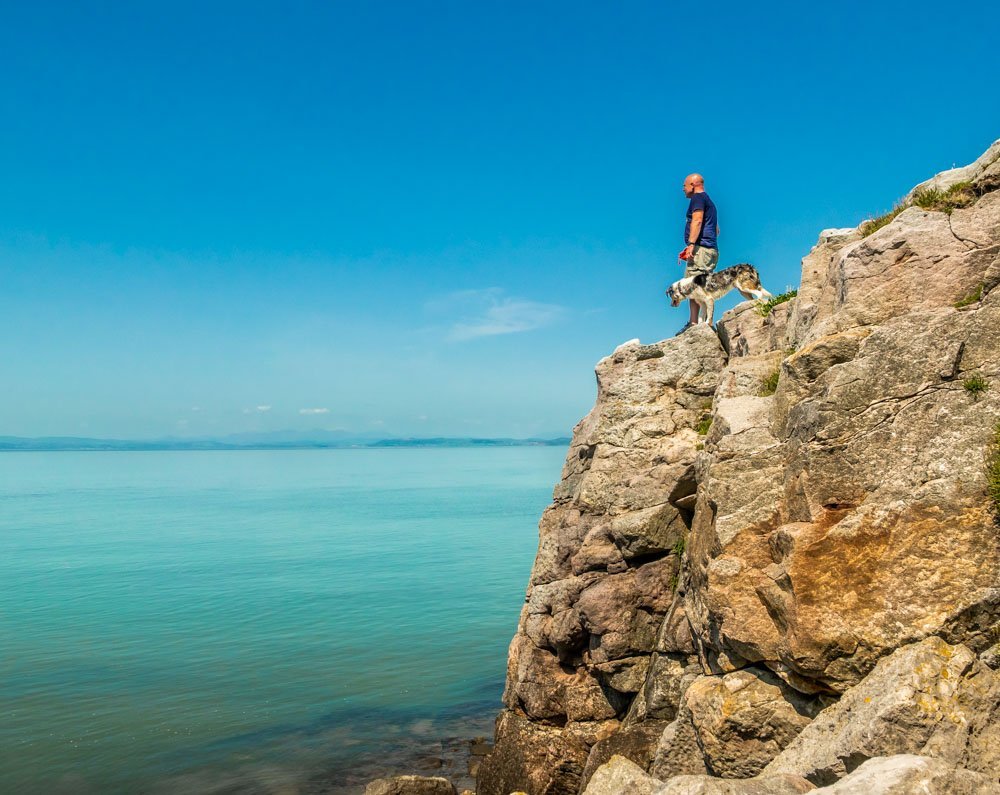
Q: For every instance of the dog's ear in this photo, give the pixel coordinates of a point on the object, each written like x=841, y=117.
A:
x=700, y=279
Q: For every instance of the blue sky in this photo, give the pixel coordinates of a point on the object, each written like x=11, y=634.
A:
x=425, y=218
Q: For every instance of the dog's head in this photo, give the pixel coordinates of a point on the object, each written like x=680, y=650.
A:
x=675, y=294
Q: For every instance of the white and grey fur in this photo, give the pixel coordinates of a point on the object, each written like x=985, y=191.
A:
x=705, y=289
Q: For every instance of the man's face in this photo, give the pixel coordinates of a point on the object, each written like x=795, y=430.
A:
x=689, y=188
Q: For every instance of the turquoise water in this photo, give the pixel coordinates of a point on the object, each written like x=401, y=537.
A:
x=289, y=621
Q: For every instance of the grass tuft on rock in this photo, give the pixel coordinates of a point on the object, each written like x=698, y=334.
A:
x=704, y=426
x=972, y=298
x=975, y=385
x=961, y=194
x=993, y=473
x=764, y=307
x=770, y=384
x=874, y=224
x=679, y=546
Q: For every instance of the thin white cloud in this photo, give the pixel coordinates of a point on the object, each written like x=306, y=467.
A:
x=314, y=411
x=463, y=299
x=262, y=409
x=489, y=313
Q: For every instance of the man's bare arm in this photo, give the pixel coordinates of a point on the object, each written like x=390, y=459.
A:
x=696, y=220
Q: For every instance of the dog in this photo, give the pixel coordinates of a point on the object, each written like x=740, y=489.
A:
x=706, y=288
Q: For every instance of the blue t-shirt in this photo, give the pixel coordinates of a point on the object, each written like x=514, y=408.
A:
x=709, y=222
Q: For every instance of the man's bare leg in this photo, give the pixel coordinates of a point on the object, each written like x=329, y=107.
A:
x=694, y=312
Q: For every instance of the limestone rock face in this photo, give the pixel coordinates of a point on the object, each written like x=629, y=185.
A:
x=620, y=775
x=753, y=525
x=845, y=516
x=410, y=785
x=743, y=332
x=531, y=757
x=738, y=723
x=608, y=558
x=708, y=785
x=928, y=698
x=636, y=742
x=906, y=774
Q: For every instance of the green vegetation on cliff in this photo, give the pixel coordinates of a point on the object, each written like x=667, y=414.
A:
x=876, y=223
x=961, y=194
x=972, y=298
x=764, y=308
x=975, y=385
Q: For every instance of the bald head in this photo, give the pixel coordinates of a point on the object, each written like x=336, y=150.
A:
x=693, y=183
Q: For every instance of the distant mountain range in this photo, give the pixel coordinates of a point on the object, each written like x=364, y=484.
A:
x=277, y=440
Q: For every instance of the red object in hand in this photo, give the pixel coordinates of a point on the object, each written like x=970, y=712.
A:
x=683, y=255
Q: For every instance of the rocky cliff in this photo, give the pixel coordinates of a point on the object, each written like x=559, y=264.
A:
x=773, y=556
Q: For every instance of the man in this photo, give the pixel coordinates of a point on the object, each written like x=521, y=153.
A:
x=701, y=233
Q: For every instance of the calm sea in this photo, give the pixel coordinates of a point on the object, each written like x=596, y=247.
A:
x=245, y=622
